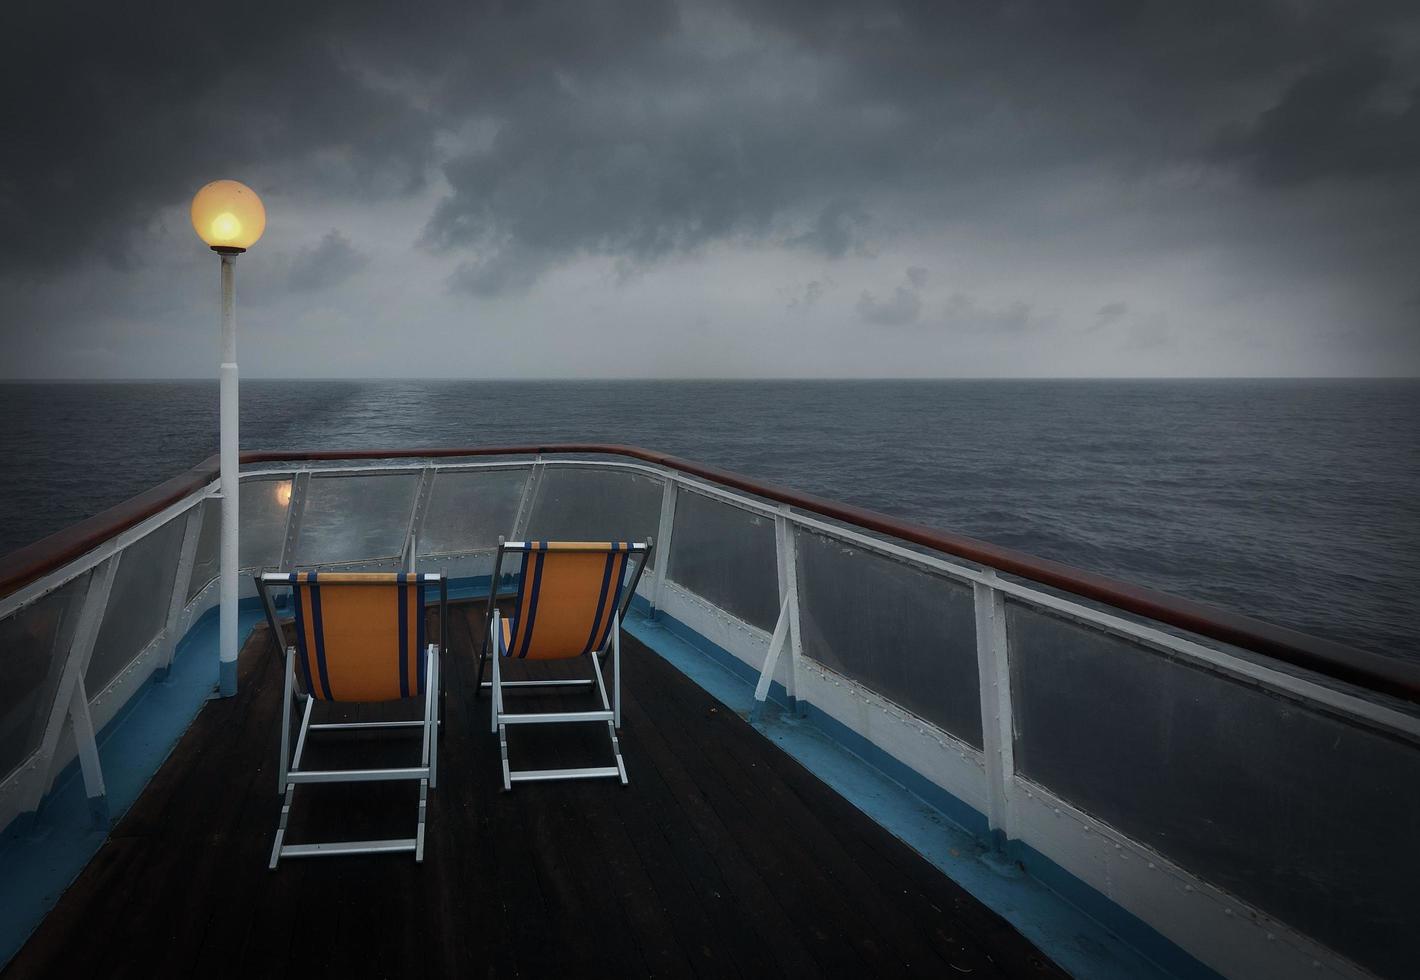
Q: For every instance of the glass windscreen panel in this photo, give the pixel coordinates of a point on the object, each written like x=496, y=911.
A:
x=727, y=556
x=579, y=503
x=261, y=531
x=902, y=632
x=1311, y=817
x=468, y=510
x=137, y=603
x=34, y=642
x=355, y=518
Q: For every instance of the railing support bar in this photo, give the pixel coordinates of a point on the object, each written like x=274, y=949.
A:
x=525, y=503
x=787, y=561
x=182, y=580
x=997, y=721
x=82, y=724
x=771, y=663
x=71, y=682
x=416, y=518
x=670, y=490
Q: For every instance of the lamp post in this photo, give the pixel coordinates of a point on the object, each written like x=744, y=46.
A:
x=229, y=217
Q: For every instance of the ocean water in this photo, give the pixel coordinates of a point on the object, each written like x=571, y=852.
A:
x=1296, y=502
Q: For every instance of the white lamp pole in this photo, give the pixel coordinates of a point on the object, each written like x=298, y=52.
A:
x=229, y=217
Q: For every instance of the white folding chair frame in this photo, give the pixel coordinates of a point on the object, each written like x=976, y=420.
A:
x=292, y=775
x=610, y=713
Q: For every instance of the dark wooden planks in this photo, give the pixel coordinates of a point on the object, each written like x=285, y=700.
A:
x=723, y=857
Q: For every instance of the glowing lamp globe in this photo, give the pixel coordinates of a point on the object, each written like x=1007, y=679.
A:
x=227, y=215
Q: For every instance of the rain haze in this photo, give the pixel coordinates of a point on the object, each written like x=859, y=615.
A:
x=659, y=189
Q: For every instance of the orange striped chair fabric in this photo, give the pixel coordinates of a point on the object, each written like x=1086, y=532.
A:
x=360, y=636
x=583, y=583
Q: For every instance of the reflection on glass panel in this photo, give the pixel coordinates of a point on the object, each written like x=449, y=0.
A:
x=261, y=530
x=33, y=645
x=468, y=510
x=355, y=518
x=727, y=556
x=576, y=503
x=138, y=603
x=1313, y=819
x=906, y=634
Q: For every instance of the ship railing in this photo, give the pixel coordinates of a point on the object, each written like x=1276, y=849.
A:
x=1206, y=784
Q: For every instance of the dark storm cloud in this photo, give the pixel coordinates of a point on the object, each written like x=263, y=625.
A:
x=329, y=262
x=1352, y=116
x=533, y=135
x=114, y=110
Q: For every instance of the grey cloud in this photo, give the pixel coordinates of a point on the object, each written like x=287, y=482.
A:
x=839, y=228
x=965, y=313
x=808, y=295
x=901, y=309
x=328, y=263
x=1110, y=312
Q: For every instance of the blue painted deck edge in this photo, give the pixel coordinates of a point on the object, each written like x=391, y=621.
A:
x=1116, y=944
x=41, y=853
x=1077, y=927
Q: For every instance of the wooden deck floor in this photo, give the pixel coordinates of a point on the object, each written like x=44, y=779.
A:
x=722, y=857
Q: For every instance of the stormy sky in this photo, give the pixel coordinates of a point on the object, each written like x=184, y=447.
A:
x=648, y=188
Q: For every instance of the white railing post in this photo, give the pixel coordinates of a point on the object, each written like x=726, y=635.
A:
x=993, y=667
x=182, y=580
x=416, y=518
x=71, y=684
x=664, y=527
x=787, y=566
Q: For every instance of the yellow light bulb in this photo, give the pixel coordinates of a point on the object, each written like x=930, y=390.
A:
x=225, y=226
x=227, y=214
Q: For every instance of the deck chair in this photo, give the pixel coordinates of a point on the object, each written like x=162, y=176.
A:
x=359, y=638
x=570, y=600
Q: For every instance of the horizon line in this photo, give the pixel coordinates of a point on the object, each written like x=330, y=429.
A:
x=723, y=378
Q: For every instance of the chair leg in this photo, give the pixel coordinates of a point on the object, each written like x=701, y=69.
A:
x=616, y=670
x=286, y=722
x=290, y=787
x=423, y=813
x=495, y=701
x=431, y=715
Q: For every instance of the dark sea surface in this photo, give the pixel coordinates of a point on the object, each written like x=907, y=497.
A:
x=1294, y=501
